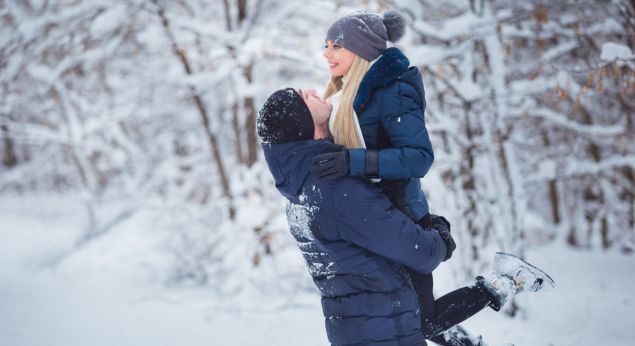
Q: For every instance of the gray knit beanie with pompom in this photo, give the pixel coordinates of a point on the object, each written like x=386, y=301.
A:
x=365, y=33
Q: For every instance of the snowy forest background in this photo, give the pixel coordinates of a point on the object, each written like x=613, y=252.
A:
x=130, y=158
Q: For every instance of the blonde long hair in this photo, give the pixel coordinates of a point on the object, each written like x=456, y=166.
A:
x=344, y=132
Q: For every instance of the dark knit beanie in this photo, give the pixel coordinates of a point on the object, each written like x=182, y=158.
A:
x=284, y=118
x=366, y=33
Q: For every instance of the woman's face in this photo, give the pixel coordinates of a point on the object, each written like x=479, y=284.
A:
x=339, y=58
x=320, y=109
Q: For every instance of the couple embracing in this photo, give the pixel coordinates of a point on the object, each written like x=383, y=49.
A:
x=349, y=163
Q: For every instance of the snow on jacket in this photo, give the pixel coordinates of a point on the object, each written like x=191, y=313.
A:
x=390, y=105
x=356, y=246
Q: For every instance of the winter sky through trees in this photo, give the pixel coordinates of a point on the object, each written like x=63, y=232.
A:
x=128, y=146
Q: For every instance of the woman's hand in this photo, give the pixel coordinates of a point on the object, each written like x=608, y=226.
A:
x=320, y=109
x=330, y=166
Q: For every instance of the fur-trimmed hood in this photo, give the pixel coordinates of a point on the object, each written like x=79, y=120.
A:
x=390, y=66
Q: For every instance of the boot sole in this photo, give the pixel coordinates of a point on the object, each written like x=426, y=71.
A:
x=545, y=282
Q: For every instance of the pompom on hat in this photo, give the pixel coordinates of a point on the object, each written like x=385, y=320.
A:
x=365, y=33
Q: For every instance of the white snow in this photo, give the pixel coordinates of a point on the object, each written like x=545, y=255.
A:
x=299, y=218
x=109, y=20
x=95, y=87
x=614, y=51
x=108, y=293
x=590, y=305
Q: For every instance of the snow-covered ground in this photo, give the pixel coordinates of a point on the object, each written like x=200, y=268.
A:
x=106, y=294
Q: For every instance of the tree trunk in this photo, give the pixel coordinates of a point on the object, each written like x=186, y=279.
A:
x=590, y=196
x=497, y=131
x=630, y=177
x=250, y=123
x=553, y=188
x=9, y=159
x=202, y=110
x=468, y=179
x=228, y=17
x=242, y=10
x=553, y=198
x=237, y=134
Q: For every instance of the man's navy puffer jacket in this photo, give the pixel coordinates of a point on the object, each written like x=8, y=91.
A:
x=356, y=246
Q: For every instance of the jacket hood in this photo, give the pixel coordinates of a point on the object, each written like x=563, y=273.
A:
x=290, y=163
x=391, y=65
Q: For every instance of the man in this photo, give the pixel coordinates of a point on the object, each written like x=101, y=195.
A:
x=355, y=243
x=353, y=240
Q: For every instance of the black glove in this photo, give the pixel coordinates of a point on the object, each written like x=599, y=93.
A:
x=442, y=226
x=331, y=165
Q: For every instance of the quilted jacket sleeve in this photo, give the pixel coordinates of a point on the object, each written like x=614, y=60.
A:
x=365, y=217
x=402, y=117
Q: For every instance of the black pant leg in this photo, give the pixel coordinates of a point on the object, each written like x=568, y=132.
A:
x=440, y=340
x=423, y=285
x=454, y=308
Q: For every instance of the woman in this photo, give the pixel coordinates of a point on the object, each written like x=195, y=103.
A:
x=379, y=105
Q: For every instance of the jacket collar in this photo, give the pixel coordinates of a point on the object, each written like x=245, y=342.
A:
x=290, y=163
x=389, y=66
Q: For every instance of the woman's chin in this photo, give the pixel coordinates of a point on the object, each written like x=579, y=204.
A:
x=336, y=73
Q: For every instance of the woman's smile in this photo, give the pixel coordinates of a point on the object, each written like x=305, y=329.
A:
x=339, y=59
